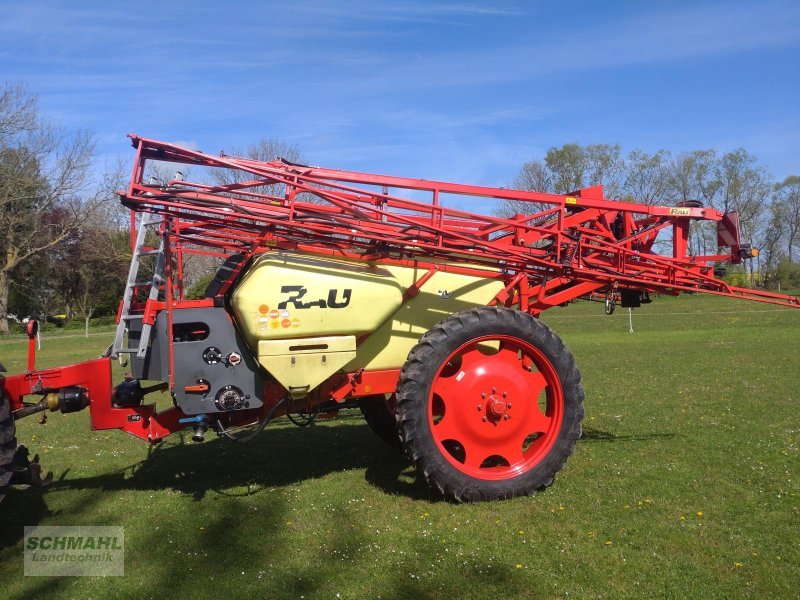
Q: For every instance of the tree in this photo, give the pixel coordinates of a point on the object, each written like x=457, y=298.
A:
x=771, y=252
x=265, y=150
x=567, y=169
x=533, y=176
x=690, y=180
x=103, y=256
x=43, y=179
x=648, y=177
x=567, y=166
x=605, y=166
x=744, y=186
x=769, y=214
x=199, y=269
x=787, y=200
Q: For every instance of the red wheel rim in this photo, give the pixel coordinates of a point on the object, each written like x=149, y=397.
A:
x=495, y=407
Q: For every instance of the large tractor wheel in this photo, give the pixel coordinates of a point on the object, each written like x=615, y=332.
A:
x=378, y=412
x=8, y=444
x=489, y=405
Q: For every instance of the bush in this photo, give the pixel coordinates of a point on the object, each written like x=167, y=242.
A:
x=787, y=274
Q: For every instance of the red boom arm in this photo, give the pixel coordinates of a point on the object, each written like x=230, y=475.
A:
x=566, y=246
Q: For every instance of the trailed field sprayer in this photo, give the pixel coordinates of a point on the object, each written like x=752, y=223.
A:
x=342, y=289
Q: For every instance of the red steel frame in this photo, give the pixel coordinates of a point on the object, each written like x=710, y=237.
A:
x=566, y=246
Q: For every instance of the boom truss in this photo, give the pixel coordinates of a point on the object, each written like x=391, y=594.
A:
x=564, y=247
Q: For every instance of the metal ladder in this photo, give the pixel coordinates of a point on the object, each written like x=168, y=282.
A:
x=147, y=221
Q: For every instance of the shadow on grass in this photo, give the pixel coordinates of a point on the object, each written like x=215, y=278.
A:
x=219, y=553
x=596, y=435
x=279, y=457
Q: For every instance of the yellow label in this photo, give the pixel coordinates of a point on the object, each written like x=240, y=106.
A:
x=570, y=200
x=680, y=212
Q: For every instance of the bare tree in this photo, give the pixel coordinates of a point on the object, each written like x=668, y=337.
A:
x=265, y=150
x=744, y=186
x=740, y=184
x=691, y=180
x=43, y=182
x=533, y=176
x=648, y=177
x=93, y=260
x=17, y=112
x=605, y=166
x=198, y=267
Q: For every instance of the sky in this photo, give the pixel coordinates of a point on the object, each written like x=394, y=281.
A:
x=463, y=91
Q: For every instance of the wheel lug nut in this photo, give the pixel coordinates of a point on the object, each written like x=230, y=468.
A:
x=480, y=407
x=485, y=419
x=508, y=405
x=506, y=417
x=505, y=394
x=483, y=395
x=494, y=390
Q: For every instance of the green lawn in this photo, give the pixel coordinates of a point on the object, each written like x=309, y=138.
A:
x=685, y=485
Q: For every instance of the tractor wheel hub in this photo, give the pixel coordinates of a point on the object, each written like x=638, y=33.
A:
x=495, y=407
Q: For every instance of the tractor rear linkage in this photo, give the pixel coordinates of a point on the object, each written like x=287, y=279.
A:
x=563, y=248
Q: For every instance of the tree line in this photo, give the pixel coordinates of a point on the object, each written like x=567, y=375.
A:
x=65, y=241
x=769, y=210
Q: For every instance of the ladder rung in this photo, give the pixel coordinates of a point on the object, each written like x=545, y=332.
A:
x=127, y=351
x=149, y=252
x=133, y=317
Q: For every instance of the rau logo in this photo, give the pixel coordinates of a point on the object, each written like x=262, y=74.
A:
x=299, y=291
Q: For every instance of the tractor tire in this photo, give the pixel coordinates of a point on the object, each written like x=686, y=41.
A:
x=8, y=444
x=378, y=412
x=489, y=405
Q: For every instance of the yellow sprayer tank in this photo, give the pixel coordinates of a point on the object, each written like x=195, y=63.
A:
x=292, y=296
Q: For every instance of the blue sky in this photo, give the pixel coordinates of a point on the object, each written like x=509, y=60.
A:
x=463, y=91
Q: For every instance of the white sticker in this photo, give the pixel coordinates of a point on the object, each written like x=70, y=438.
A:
x=460, y=376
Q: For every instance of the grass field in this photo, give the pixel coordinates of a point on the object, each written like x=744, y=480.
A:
x=685, y=485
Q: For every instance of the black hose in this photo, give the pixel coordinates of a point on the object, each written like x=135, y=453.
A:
x=30, y=409
x=261, y=426
x=304, y=419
